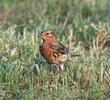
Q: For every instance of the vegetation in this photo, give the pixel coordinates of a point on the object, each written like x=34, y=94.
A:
x=82, y=25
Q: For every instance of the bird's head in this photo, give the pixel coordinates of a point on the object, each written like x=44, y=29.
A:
x=47, y=35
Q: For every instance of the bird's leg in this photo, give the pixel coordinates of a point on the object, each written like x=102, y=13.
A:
x=61, y=66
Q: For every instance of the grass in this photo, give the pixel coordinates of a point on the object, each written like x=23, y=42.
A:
x=82, y=25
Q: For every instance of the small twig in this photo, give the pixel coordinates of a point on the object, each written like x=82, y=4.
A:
x=95, y=27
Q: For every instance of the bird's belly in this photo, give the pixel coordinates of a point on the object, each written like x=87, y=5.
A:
x=47, y=54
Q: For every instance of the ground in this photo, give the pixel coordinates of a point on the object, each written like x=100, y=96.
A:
x=81, y=25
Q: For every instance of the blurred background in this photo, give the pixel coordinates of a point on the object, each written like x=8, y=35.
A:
x=86, y=19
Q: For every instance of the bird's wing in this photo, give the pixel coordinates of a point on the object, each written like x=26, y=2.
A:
x=60, y=48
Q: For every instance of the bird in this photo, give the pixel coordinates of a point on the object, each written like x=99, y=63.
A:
x=54, y=52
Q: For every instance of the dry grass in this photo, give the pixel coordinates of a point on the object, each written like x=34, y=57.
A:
x=82, y=25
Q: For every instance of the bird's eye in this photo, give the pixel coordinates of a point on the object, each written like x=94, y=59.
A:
x=48, y=33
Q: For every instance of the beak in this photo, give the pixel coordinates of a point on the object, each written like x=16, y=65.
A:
x=41, y=34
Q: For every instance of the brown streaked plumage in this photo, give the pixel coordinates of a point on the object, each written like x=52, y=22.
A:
x=54, y=52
